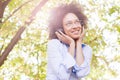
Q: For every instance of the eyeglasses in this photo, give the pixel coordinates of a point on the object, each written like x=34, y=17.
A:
x=71, y=23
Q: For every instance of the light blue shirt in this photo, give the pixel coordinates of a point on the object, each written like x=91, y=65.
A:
x=62, y=66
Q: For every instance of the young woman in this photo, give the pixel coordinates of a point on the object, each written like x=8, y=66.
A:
x=68, y=57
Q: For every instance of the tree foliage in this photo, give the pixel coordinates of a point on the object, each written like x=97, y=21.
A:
x=27, y=60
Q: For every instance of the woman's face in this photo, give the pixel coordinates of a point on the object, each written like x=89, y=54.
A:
x=72, y=26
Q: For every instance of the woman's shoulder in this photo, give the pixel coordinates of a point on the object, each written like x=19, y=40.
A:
x=54, y=42
x=86, y=46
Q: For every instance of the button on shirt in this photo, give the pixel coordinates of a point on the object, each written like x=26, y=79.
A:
x=62, y=66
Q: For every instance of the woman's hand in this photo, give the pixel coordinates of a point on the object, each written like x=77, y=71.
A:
x=68, y=40
x=64, y=38
x=79, y=51
x=79, y=40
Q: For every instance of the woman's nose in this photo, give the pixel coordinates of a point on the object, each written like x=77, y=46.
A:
x=75, y=25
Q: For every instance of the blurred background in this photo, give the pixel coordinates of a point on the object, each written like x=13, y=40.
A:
x=25, y=58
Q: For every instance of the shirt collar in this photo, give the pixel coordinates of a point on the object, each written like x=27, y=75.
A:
x=83, y=45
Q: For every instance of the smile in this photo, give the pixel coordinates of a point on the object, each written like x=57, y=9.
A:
x=75, y=32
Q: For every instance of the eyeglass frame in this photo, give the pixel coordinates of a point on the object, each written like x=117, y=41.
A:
x=77, y=23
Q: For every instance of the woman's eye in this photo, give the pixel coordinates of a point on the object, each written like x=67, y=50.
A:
x=68, y=24
x=77, y=22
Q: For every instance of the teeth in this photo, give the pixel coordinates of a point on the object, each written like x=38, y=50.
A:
x=75, y=31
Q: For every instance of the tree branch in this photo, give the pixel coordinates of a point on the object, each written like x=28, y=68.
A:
x=1, y=49
x=11, y=45
x=3, y=5
x=19, y=32
x=16, y=10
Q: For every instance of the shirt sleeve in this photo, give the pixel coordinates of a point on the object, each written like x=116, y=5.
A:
x=58, y=66
x=84, y=69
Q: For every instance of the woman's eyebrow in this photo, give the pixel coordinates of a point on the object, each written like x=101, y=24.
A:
x=72, y=20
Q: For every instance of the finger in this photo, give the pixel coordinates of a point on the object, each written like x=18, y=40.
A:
x=60, y=37
x=62, y=33
x=83, y=32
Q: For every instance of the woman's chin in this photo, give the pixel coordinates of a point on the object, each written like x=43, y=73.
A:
x=75, y=38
